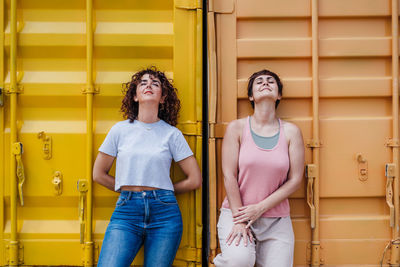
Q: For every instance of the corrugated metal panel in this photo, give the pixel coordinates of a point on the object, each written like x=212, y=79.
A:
x=352, y=59
x=55, y=63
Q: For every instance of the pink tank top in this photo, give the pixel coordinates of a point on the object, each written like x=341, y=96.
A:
x=262, y=171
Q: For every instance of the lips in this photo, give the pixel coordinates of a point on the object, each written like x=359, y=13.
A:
x=148, y=92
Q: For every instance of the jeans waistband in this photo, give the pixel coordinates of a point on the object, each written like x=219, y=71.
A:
x=146, y=193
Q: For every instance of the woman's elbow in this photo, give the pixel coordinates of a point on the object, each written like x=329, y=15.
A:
x=96, y=176
x=198, y=182
x=297, y=183
x=195, y=180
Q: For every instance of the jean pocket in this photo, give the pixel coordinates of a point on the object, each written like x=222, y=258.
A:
x=167, y=199
x=121, y=201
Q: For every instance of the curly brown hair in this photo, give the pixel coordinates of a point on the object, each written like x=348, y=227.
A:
x=167, y=111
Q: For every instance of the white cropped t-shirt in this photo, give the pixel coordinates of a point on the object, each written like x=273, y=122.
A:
x=144, y=152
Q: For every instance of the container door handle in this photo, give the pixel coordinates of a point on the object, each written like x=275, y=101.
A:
x=82, y=188
x=390, y=173
x=310, y=173
x=17, y=151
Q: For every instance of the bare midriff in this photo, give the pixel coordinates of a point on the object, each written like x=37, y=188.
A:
x=137, y=188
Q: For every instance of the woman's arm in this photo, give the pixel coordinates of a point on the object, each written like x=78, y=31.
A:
x=251, y=213
x=102, y=166
x=230, y=161
x=191, y=169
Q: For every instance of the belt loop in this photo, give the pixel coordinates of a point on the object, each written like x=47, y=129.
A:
x=130, y=195
x=154, y=193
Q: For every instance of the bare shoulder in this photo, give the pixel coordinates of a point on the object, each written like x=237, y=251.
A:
x=292, y=131
x=235, y=128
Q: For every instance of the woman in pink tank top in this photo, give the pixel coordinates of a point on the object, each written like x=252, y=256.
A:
x=254, y=226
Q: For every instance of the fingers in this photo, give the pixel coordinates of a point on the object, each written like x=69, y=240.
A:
x=251, y=237
x=234, y=234
x=241, y=219
x=239, y=237
x=241, y=211
x=237, y=214
x=249, y=223
x=230, y=238
x=244, y=234
x=245, y=238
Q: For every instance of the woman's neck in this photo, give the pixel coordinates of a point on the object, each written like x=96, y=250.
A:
x=264, y=114
x=148, y=113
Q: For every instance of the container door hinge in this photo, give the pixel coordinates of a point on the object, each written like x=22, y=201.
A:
x=390, y=142
x=90, y=89
x=211, y=129
x=19, y=89
x=313, y=254
x=14, y=248
x=188, y=4
x=313, y=143
x=216, y=130
x=221, y=6
x=191, y=128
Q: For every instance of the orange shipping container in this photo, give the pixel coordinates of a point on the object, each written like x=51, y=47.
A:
x=339, y=67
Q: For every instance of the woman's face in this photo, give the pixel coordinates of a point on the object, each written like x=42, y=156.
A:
x=265, y=86
x=149, y=90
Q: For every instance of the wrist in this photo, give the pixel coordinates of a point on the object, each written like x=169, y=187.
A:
x=262, y=207
x=242, y=224
x=235, y=209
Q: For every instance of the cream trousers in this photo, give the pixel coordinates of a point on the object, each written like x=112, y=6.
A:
x=273, y=247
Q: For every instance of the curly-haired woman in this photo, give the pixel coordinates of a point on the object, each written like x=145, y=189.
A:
x=262, y=163
x=144, y=145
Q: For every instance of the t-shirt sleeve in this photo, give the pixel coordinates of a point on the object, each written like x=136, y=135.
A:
x=110, y=143
x=179, y=147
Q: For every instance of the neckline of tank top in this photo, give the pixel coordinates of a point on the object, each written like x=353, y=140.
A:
x=262, y=136
x=266, y=137
x=254, y=143
x=148, y=126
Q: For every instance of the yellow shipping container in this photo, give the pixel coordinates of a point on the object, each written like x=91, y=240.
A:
x=339, y=64
x=63, y=63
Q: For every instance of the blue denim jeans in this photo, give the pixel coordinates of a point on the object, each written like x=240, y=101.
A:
x=150, y=218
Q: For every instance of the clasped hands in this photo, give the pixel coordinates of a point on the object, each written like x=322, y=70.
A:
x=243, y=219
